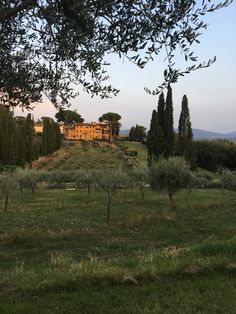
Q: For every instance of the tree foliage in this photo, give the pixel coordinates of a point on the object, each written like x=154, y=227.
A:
x=49, y=45
x=170, y=174
x=161, y=136
x=68, y=117
x=110, y=181
x=113, y=119
x=28, y=179
x=18, y=145
x=215, y=154
x=228, y=179
x=51, y=137
x=185, y=135
x=86, y=178
x=137, y=133
x=8, y=183
x=151, y=138
x=140, y=176
x=168, y=126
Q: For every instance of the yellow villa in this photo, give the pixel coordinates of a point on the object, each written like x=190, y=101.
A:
x=38, y=127
x=81, y=131
x=86, y=131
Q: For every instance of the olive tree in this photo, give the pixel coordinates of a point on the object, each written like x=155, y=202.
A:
x=8, y=183
x=85, y=177
x=58, y=177
x=110, y=181
x=139, y=175
x=171, y=175
x=28, y=179
x=228, y=179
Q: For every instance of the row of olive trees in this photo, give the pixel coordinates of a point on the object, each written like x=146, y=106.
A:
x=170, y=175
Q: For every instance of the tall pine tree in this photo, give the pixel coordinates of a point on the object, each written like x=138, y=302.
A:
x=169, y=125
x=185, y=135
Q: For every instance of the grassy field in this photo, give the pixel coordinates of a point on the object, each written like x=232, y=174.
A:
x=58, y=256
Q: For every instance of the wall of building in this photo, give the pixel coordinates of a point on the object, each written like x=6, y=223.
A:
x=77, y=131
x=87, y=131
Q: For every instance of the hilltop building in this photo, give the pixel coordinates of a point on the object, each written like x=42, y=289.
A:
x=86, y=131
x=81, y=131
x=38, y=127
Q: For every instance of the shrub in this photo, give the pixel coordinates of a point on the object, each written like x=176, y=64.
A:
x=228, y=179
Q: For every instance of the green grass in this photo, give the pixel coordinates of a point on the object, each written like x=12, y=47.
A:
x=58, y=256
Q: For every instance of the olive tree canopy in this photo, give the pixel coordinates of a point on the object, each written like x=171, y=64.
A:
x=47, y=46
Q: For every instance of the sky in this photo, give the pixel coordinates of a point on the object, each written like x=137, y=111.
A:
x=211, y=92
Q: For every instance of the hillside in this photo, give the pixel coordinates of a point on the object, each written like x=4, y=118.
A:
x=76, y=155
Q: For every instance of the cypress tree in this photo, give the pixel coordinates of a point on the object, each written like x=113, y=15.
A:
x=132, y=134
x=169, y=125
x=185, y=135
x=7, y=127
x=57, y=135
x=17, y=143
x=160, y=136
x=45, y=137
x=21, y=144
x=29, y=129
x=51, y=138
x=151, y=138
x=1, y=130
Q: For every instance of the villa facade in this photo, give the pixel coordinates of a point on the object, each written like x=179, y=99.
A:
x=86, y=131
x=81, y=131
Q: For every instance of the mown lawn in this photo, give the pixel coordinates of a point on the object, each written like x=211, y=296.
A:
x=58, y=256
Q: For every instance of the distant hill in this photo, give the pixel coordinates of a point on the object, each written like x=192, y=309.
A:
x=202, y=134
x=124, y=132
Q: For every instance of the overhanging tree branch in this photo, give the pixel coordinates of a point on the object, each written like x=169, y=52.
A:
x=12, y=12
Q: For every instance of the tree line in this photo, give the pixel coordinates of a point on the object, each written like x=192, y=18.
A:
x=18, y=143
